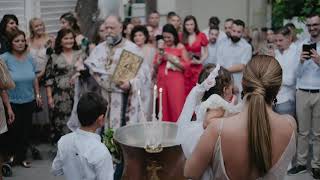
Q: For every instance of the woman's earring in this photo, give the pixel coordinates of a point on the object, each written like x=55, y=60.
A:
x=242, y=95
x=275, y=102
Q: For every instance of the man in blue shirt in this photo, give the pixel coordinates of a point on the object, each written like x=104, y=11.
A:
x=308, y=101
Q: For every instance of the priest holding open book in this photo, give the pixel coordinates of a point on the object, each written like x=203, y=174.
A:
x=117, y=66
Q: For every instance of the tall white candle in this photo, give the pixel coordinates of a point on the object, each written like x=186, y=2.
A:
x=155, y=88
x=160, y=104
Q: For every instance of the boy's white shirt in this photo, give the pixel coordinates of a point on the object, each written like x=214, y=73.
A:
x=81, y=155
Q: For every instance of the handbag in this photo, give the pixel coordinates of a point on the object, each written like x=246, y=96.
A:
x=6, y=81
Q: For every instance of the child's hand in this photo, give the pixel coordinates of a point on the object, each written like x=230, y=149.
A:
x=234, y=100
x=213, y=114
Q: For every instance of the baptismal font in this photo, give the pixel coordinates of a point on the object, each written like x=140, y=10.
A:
x=149, y=149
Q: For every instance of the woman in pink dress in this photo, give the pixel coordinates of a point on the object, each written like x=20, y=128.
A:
x=171, y=60
x=196, y=44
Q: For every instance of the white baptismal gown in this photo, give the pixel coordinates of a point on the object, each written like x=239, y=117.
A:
x=189, y=132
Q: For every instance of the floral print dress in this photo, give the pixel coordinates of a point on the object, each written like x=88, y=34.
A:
x=58, y=75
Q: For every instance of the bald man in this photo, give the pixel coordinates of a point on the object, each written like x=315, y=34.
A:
x=102, y=63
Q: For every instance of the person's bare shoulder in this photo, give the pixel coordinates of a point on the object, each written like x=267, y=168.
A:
x=288, y=119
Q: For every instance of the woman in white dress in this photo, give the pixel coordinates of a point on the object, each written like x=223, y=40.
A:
x=140, y=36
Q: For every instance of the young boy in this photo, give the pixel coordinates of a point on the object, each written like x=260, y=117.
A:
x=81, y=155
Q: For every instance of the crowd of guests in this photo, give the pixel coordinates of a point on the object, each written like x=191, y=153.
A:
x=51, y=72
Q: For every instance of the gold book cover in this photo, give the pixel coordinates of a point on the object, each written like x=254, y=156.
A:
x=128, y=67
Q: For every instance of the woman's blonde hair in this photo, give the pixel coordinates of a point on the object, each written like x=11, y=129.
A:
x=32, y=33
x=262, y=78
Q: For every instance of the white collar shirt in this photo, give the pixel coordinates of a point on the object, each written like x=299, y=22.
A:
x=229, y=54
x=82, y=156
x=309, y=71
x=289, y=62
x=212, y=54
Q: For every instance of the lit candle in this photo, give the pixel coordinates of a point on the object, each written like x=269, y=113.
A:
x=160, y=104
x=154, y=102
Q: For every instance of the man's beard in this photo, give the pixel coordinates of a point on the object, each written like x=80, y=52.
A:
x=235, y=39
x=228, y=34
x=213, y=41
x=113, y=40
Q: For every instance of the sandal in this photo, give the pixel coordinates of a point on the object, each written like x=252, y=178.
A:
x=26, y=164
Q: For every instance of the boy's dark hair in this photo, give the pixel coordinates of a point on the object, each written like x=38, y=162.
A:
x=90, y=107
x=224, y=79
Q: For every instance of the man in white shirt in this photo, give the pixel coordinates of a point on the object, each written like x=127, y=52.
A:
x=212, y=46
x=81, y=155
x=288, y=57
x=234, y=53
x=308, y=102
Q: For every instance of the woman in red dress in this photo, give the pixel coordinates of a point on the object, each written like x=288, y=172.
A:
x=171, y=60
x=196, y=44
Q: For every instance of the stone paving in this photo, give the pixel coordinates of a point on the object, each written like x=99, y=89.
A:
x=40, y=170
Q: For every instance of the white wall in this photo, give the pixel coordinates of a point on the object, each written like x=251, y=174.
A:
x=204, y=9
x=252, y=12
x=258, y=13
x=49, y=10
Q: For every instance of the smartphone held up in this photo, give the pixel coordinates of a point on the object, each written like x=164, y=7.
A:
x=308, y=47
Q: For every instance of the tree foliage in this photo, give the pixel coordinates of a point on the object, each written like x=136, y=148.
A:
x=286, y=9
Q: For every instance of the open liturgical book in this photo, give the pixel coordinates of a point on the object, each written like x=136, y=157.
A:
x=128, y=67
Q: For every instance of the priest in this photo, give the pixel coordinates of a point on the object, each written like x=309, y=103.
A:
x=122, y=97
